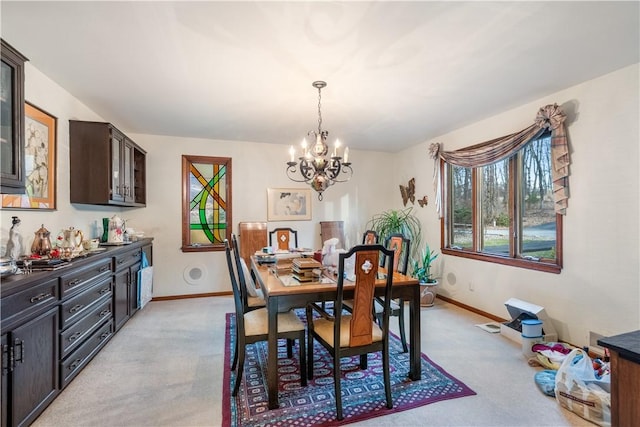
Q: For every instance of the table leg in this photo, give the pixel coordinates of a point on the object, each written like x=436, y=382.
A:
x=415, y=351
x=272, y=357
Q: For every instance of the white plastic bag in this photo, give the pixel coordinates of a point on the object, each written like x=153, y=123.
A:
x=578, y=389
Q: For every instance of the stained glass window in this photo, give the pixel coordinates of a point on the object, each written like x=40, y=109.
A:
x=206, y=202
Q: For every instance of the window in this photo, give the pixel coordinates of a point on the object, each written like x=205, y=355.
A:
x=503, y=212
x=206, y=203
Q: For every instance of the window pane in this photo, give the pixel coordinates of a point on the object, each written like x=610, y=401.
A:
x=462, y=207
x=495, y=208
x=207, y=210
x=538, y=215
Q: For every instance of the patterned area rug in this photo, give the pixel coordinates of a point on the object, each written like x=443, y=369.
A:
x=363, y=390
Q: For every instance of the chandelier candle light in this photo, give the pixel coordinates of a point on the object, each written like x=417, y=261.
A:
x=316, y=168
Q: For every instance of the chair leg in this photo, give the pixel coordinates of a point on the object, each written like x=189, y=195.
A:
x=386, y=374
x=236, y=386
x=337, y=386
x=235, y=353
x=403, y=336
x=289, y=348
x=303, y=359
x=363, y=361
x=309, y=345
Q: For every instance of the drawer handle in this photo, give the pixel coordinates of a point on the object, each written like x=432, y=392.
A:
x=76, y=308
x=120, y=261
x=104, y=313
x=40, y=297
x=105, y=268
x=75, y=336
x=74, y=283
x=104, y=290
x=75, y=364
x=104, y=335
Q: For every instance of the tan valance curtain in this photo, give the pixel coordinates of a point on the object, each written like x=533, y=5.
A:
x=549, y=117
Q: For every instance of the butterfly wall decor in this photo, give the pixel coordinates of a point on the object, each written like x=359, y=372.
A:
x=408, y=192
x=423, y=202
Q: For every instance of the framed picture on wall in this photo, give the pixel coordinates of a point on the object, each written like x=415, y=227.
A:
x=288, y=204
x=40, y=162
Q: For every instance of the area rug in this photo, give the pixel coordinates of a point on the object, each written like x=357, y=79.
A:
x=363, y=390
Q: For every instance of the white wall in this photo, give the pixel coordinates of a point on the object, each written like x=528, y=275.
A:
x=255, y=167
x=598, y=289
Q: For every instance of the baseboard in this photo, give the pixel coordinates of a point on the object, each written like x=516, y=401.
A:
x=209, y=294
x=227, y=293
x=471, y=309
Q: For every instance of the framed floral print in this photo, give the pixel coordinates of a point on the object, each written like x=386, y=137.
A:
x=40, y=162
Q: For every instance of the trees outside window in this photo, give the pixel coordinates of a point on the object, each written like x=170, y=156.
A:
x=504, y=212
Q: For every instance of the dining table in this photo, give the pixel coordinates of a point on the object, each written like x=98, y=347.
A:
x=282, y=292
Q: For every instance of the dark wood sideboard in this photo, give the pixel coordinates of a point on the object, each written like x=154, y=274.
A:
x=625, y=378
x=54, y=322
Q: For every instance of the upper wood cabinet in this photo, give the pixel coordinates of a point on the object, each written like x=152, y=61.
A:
x=12, y=121
x=107, y=168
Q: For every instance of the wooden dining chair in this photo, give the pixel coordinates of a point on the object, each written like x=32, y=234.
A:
x=401, y=247
x=353, y=333
x=251, y=327
x=251, y=296
x=283, y=237
x=370, y=237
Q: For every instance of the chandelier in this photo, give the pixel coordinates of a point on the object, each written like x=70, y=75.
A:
x=316, y=167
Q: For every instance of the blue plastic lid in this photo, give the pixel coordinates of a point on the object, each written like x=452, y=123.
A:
x=532, y=322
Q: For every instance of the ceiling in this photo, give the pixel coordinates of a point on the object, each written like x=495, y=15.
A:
x=398, y=73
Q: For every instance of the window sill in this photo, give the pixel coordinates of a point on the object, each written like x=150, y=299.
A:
x=202, y=248
x=514, y=262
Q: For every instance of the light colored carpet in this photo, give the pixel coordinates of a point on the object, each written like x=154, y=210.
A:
x=164, y=368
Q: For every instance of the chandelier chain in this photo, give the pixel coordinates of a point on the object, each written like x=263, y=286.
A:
x=319, y=111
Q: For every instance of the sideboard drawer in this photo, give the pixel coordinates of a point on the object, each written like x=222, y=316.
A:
x=77, y=333
x=79, y=358
x=82, y=278
x=76, y=307
x=30, y=300
x=127, y=259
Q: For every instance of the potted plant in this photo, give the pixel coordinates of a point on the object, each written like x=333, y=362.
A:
x=423, y=274
x=401, y=221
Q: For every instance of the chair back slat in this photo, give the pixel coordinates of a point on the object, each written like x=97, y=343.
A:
x=367, y=260
x=283, y=238
x=366, y=270
x=401, y=246
x=370, y=237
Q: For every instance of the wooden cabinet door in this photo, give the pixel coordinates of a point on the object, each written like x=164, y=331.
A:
x=12, y=160
x=35, y=375
x=127, y=171
x=133, y=289
x=117, y=174
x=121, y=298
x=4, y=397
